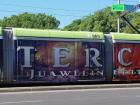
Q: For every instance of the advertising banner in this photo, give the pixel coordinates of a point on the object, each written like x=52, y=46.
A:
x=126, y=61
x=60, y=61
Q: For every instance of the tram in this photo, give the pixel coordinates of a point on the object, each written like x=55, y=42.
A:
x=54, y=56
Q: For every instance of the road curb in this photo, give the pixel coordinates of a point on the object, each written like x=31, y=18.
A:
x=67, y=87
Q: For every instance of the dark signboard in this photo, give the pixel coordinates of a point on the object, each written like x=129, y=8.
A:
x=59, y=61
x=126, y=61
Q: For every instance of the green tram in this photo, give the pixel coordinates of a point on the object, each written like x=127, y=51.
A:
x=53, y=56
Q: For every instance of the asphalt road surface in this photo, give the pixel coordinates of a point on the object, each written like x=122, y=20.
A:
x=124, y=96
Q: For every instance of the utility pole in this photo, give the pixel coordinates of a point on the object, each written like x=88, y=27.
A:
x=118, y=21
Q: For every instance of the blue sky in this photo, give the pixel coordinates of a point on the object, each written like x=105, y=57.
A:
x=64, y=10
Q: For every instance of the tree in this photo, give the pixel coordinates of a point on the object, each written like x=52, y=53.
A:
x=27, y=20
x=74, y=26
x=0, y=22
x=134, y=18
x=104, y=21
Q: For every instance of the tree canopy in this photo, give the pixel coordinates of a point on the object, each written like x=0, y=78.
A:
x=105, y=21
x=27, y=20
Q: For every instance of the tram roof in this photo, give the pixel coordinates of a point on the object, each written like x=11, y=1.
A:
x=125, y=36
x=22, y=32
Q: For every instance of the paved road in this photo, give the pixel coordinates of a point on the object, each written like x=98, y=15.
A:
x=125, y=96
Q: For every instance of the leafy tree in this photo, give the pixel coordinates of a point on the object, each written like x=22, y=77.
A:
x=86, y=23
x=74, y=26
x=27, y=20
x=105, y=21
x=134, y=18
x=0, y=22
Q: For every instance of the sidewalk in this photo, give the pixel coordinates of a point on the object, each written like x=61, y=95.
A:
x=68, y=87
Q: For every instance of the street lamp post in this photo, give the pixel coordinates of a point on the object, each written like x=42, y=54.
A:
x=118, y=21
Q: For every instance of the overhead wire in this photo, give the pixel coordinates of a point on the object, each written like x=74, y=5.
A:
x=44, y=8
x=130, y=1
x=134, y=1
x=48, y=8
x=12, y=11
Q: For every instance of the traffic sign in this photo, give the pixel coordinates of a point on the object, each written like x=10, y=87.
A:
x=122, y=7
x=129, y=7
x=118, y=7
